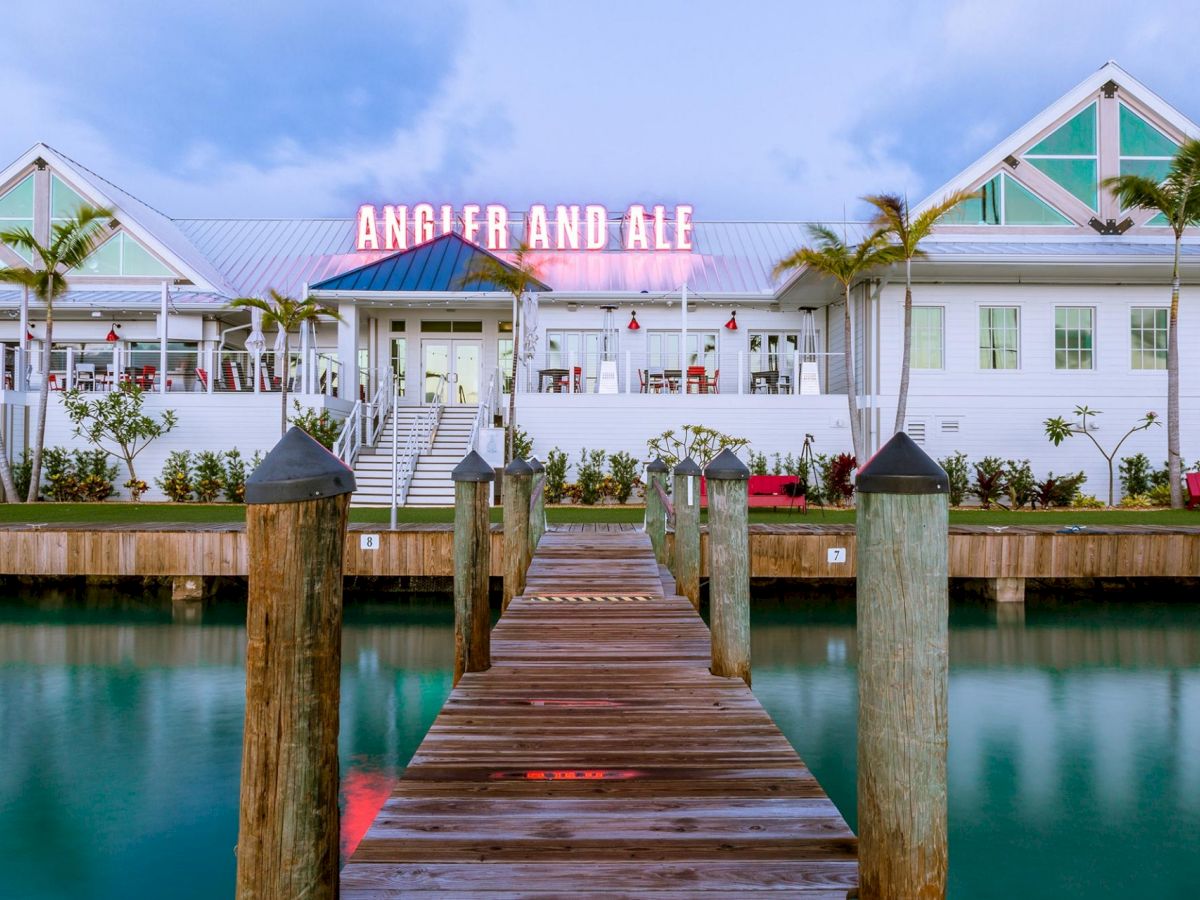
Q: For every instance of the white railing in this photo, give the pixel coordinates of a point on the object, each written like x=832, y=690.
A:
x=419, y=440
x=349, y=441
x=376, y=413
x=487, y=408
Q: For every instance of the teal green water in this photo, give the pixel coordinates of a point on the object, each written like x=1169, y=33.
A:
x=1074, y=741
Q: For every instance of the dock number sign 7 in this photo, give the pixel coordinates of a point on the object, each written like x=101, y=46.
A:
x=835, y=555
x=368, y=542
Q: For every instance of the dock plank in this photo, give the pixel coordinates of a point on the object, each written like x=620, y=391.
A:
x=599, y=757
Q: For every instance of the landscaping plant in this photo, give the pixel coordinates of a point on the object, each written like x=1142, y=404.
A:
x=624, y=470
x=556, y=476
x=209, y=476
x=1020, y=483
x=176, y=478
x=1058, y=429
x=838, y=486
x=958, y=476
x=321, y=426
x=522, y=444
x=116, y=419
x=589, y=475
x=989, y=483
x=699, y=442
x=758, y=464
x=1136, y=473
x=1059, y=490
x=77, y=476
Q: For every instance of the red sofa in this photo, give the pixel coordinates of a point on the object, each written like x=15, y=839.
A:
x=766, y=491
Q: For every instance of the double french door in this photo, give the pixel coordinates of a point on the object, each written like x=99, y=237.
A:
x=453, y=369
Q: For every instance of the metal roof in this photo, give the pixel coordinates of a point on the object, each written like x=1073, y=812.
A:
x=119, y=299
x=438, y=265
x=1033, y=250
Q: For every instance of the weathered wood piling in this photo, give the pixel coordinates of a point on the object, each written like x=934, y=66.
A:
x=903, y=610
x=537, y=504
x=729, y=582
x=687, y=530
x=656, y=510
x=472, y=564
x=288, y=839
x=518, y=482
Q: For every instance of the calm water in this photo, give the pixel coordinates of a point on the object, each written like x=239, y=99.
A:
x=1074, y=744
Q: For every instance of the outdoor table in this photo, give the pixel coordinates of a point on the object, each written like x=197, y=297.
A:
x=674, y=378
x=558, y=377
x=768, y=380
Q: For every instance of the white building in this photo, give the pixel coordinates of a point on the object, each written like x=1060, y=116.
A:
x=1038, y=296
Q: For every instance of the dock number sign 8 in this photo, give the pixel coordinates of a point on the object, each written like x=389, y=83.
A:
x=835, y=555
x=368, y=542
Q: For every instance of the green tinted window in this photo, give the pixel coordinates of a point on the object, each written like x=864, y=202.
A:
x=1073, y=337
x=1148, y=337
x=1159, y=220
x=981, y=210
x=1023, y=207
x=1075, y=137
x=1076, y=175
x=1149, y=168
x=16, y=210
x=999, y=337
x=104, y=260
x=122, y=255
x=64, y=201
x=927, y=337
x=1140, y=138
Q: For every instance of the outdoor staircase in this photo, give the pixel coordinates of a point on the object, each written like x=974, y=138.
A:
x=431, y=485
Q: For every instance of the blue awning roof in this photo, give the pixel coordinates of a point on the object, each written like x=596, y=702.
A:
x=437, y=265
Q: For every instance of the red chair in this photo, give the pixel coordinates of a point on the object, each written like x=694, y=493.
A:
x=578, y=379
x=697, y=376
x=714, y=386
x=1193, y=486
x=642, y=381
x=52, y=380
x=202, y=377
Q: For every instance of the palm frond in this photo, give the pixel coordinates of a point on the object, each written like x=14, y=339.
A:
x=1139, y=192
x=515, y=277
x=21, y=275
x=923, y=225
x=72, y=241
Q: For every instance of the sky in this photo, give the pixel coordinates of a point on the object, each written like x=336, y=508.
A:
x=751, y=110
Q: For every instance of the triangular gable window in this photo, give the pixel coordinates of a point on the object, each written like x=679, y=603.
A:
x=1068, y=156
x=1005, y=201
x=1145, y=151
x=122, y=255
x=64, y=200
x=16, y=210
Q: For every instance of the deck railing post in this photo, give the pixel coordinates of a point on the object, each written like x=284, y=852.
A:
x=903, y=607
x=656, y=512
x=472, y=564
x=537, y=504
x=288, y=837
x=729, y=565
x=687, y=530
x=518, y=482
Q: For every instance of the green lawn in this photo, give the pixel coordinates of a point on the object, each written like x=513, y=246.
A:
x=127, y=513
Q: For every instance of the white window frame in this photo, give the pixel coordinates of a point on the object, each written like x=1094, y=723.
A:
x=1020, y=337
x=942, y=338
x=1054, y=335
x=1129, y=337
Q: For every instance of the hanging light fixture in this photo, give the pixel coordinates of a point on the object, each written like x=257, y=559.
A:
x=112, y=337
x=633, y=322
x=732, y=323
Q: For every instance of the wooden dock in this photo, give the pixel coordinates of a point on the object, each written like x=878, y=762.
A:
x=598, y=757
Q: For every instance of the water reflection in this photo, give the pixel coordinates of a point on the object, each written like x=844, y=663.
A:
x=1074, y=733
x=121, y=739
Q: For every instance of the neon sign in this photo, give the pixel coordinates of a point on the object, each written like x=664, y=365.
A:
x=567, y=228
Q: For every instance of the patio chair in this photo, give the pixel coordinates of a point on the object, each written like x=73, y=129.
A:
x=52, y=380
x=202, y=378
x=641, y=381
x=85, y=374
x=698, y=376
x=577, y=377
x=714, y=386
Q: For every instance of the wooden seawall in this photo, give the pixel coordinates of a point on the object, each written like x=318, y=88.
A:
x=776, y=551
x=598, y=757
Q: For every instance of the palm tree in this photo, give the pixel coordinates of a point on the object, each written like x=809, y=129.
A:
x=846, y=264
x=71, y=242
x=1177, y=197
x=894, y=217
x=285, y=313
x=516, y=277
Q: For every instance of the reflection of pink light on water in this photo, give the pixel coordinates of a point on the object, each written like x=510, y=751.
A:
x=363, y=795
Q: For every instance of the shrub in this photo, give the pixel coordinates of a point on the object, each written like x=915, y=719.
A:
x=59, y=474
x=989, y=483
x=1160, y=495
x=589, y=475
x=624, y=470
x=777, y=466
x=697, y=441
x=21, y=472
x=1020, y=483
x=1137, y=501
x=758, y=464
x=1087, y=501
x=177, y=476
x=838, y=487
x=556, y=475
x=75, y=476
x=1161, y=477
x=1059, y=490
x=136, y=488
x=321, y=426
x=209, y=476
x=95, y=475
x=234, y=482
x=1136, y=473
x=958, y=476
x=522, y=444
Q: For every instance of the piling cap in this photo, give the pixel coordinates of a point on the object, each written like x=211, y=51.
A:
x=901, y=467
x=298, y=468
x=473, y=468
x=687, y=466
x=727, y=467
x=656, y=465
x=518, y=467
x=536, y=465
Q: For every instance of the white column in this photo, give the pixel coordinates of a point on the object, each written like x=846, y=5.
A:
x=21, y=366
x=162, y=347
x=683, y=333
x=210, y=358
x=115, y=381
x=69, y=379
x=347, y=352
x=795, y=371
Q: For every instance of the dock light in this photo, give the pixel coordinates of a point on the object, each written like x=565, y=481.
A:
x=112, y=337
x=633, y=322
x=732, y=323
x=567, y=775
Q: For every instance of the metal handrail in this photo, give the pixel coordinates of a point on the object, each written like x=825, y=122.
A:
x=378, y=408
x=349, y=440
x=420, y=440
x=484, y=412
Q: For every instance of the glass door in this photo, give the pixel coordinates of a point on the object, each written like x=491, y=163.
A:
x=452, y=370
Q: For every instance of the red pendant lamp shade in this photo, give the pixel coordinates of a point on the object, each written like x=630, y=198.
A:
x=633, y=322
x=732, y=323
x=112, y=337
